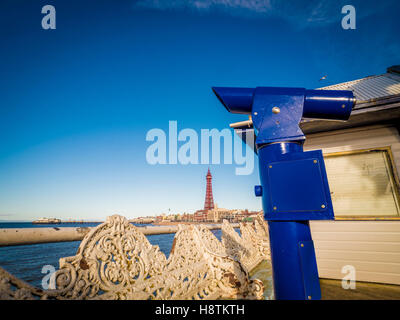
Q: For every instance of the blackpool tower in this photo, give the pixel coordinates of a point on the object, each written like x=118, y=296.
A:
x=209, y=203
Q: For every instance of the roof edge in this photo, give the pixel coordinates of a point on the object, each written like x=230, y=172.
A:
x=394, y=69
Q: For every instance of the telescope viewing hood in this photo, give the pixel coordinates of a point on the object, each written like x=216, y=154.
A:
x=276, y=111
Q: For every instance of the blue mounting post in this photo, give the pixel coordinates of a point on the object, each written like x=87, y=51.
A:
x=294, y=185
x=295, y=271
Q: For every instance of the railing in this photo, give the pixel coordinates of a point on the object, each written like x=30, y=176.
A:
x=24, y=236
x=116, y=261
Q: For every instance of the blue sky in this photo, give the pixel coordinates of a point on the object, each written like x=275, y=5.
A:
x=76, y=102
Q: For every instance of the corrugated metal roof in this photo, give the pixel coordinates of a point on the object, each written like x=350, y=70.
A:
x=371, y=88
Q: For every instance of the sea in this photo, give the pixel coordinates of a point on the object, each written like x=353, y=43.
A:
x=27, y=261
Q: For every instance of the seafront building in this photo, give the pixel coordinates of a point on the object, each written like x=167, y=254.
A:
x=211, y=212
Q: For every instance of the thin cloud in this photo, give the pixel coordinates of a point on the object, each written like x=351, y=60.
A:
x=300, y=13
x=228, y=6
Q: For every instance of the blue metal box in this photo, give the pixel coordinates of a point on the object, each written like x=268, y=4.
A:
x=297, y=188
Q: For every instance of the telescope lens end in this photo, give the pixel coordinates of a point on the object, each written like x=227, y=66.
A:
x=235, y=100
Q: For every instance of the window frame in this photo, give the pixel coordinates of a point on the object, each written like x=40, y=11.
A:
x=393, y=175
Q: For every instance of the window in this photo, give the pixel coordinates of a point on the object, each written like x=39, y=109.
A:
x=363, y=183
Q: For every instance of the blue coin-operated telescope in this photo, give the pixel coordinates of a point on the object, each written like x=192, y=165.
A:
x=294, y=186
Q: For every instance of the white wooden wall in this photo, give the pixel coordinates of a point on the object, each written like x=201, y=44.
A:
x=372, y=247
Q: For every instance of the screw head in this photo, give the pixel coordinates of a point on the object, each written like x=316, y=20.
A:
x=323, y=206
x=343, y=106
x=309, y=297
x=315, y=161
x=255, y=113
x=274, y=208
x=270, y=167
x=276, y=110
x=302, y=245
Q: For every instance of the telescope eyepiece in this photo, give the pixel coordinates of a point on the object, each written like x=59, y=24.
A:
x=328, y=104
